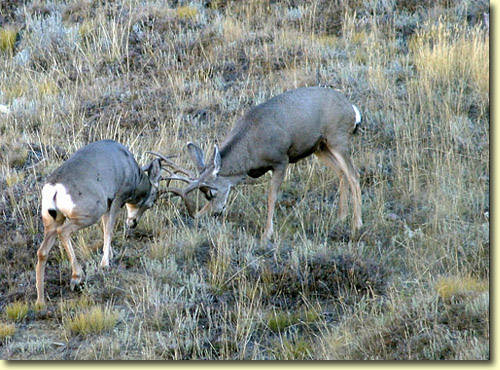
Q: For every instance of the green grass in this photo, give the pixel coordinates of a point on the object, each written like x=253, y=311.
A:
x=7, y=39
x=94, y=320
x=448, y=287
x=155, y=75
x=186, y=11
x=279, y=321
x=16, y=311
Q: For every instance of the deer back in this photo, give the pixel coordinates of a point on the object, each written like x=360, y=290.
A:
x=100, y=172
x=285, y=129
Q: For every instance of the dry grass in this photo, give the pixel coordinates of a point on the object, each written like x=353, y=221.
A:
x=156, y=74
x=16, y=311
x=94, y=320
x=6, y=331
x=7, y=39
x=448, y=287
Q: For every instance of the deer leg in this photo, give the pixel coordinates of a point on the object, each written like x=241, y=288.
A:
x=276, y=180
x=49, y=239
x=65, y=232
x=329, y=160
x=108, y=223
x=352, y=176
x=343, y=198
x=107, y=252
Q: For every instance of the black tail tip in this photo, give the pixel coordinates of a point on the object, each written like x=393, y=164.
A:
x=357, y=125
x=355, y=128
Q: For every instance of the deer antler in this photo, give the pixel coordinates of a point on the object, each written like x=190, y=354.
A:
x=173, y=165
x=191, y=208
x=174, y=176
x=194, y=183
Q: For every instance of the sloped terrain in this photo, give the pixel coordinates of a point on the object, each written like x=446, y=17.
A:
x=157, y=74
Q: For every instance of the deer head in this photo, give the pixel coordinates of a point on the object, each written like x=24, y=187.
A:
x=146, y=192
x=215, y=187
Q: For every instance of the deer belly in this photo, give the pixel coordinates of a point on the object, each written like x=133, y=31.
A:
x=258, y=172
x=296, y=154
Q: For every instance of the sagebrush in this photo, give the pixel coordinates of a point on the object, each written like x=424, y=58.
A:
x=156, y=74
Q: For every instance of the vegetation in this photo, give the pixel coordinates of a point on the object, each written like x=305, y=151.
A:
x=156, y=74
x=7, y=39
x=6, y=331
x=93, y=321
x=16, y=311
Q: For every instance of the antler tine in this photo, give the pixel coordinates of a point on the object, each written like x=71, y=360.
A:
x=190, y=207
x=174, y=177
x=172, y=164
x=192, y=186
x=196, y=184
x=193, y=183
x=205, y=185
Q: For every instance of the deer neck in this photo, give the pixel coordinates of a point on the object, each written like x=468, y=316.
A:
x=142, y=189
x=234, y=159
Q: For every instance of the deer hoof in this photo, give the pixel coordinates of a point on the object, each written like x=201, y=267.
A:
x=75, y=281
x=105, y=261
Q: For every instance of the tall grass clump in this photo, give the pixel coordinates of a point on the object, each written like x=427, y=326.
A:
x=7, y=39
x=448, y=287
x=452, y=61
x=6, y=331
x=17, y=311
x=186, y=11
x=94, y=320
x=442, y=137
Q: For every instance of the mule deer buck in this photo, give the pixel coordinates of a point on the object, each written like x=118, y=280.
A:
x=94, y=183
x=283, y=130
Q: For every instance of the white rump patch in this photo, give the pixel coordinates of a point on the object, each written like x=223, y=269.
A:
x=55, y=196
x=358, y=115
x=4, y=109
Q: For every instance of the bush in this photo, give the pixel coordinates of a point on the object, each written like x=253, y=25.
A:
x=47, y=41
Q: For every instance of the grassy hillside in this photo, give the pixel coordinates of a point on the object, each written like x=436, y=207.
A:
x=156, y=74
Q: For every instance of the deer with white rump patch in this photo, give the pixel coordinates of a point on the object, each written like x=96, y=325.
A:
x=283, y=130
x=94, y=183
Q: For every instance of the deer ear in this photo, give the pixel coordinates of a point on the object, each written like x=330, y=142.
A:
x=196, y=155
x=154, y=171
x=217, y=160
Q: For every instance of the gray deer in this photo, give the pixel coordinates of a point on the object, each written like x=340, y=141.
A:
x=94, y=183
x=283, y=130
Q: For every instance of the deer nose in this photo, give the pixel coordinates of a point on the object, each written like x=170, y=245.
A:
x=219, y=212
